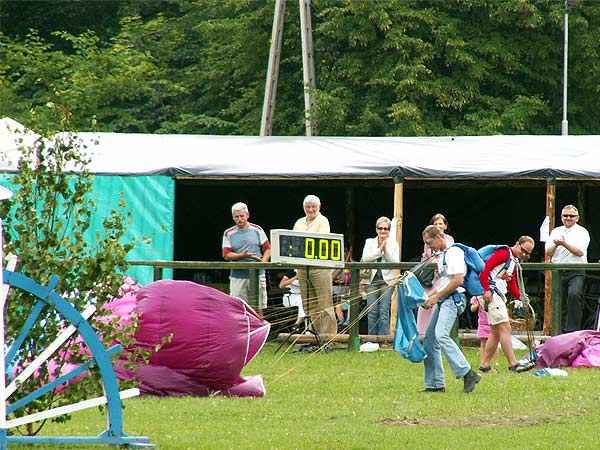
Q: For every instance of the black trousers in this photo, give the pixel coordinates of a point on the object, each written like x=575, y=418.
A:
x=572, y=292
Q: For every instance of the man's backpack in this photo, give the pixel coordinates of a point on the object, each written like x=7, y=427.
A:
x=487, y=251
x=475, y=265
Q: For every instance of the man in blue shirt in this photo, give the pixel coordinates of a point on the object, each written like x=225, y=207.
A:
x=246, y=242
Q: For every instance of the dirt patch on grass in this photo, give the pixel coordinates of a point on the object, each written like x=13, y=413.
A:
x=476, y=422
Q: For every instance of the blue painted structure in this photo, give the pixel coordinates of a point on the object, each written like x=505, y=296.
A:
x=46, y=296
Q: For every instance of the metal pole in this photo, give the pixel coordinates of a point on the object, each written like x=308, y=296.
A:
x=564, y=129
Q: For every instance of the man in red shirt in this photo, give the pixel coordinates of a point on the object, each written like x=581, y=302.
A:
x=498, y=277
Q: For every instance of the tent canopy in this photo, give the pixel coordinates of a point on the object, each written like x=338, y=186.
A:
x=482, y=157
x=574, y=157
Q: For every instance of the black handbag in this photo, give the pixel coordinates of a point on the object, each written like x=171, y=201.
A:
x=426, y=276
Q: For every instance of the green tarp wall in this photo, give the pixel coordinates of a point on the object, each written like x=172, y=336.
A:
x=151, y=199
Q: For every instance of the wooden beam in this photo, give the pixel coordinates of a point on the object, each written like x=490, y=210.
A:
x=308, y=65
x=268, y=112
x=399, y=211
x=398, y=215
x=581, y=203
x=550, y=212
x=350, y=235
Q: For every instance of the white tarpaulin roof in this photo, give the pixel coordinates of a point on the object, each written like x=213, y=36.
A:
x=352, y=157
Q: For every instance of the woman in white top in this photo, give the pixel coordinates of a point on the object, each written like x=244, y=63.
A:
x=424, y=315
x=379, y=285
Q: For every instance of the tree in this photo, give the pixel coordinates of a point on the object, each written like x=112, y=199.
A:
x=384, y=67
x=76, y=17
x=437, y=68
x=118, y=88
x=45, y=224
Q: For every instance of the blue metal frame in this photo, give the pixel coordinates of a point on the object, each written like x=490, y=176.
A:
x=113, y=435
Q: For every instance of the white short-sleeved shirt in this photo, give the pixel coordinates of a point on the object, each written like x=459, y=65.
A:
x=577, y=236
x=451, y=263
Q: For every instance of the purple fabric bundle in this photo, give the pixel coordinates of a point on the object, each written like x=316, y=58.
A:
x=576, y=349
x=214, y=337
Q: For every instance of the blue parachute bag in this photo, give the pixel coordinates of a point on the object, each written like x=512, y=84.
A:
x=406, y=340
x=475, y=265
x=486, y=251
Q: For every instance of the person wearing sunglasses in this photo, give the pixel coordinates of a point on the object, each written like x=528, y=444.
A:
x=498, y=278
x=448, y=302
x=568, y=244
x=379, y=284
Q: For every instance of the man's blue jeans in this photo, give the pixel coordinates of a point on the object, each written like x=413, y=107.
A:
x=379, y=298
x=437, y=339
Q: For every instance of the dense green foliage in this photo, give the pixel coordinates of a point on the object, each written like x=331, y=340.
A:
x=342, y=400
x=384, y=67
x=44, y=225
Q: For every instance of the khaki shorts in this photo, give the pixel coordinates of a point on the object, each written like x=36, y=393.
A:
x=240, y=288
x=497, y=312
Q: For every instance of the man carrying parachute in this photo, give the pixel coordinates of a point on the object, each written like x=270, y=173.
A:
x=449, y=302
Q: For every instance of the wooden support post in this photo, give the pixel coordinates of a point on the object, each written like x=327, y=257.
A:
x=398, y=215
x=354, y=311
x=550, y=212
x=253, y=289
x=268, y=112
x=581, y=202
x=308, y=65
x=350, y=236
x=556, y=292
x=399, y=210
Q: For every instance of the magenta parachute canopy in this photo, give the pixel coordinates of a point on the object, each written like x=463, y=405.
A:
x=576, y=349
x=214, y=335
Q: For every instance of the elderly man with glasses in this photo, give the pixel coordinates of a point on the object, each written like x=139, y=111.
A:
x=498, y=277
x=568, y=245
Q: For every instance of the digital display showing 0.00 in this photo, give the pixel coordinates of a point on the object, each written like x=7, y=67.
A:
x=323, y=249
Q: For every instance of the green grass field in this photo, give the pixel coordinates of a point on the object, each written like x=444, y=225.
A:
x=347, y=400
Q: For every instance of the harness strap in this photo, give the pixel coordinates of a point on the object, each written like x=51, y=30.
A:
x=455, y=296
